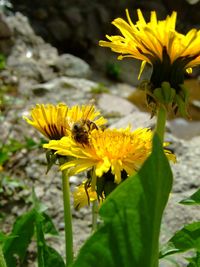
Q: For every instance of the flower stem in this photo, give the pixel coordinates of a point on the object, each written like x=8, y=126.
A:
x=67, y=219
x=2, y=259
x=161, y=121
x=94, y=215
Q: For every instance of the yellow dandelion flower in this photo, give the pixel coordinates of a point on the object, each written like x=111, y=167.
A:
x=158, y=43
x=148, y=41
x=50, y=120
x=83, y=196
x=85, y=112
x=110, y=150
x=56, y=121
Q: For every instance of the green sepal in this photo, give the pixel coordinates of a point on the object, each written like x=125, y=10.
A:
x=184, y=93
x=165, y=94
x=51, y=159
x=182, y=107
x=182, y=100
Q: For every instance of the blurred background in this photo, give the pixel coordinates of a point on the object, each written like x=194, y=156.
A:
x=76, y=26
x=49, y=53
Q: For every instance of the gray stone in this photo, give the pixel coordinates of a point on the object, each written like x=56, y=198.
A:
x=186, y=170
x=114, y=104
x=6, y=34
x=184, y=129
x=72, y=66
x=136, y=120
x=122, y=89
x=61, y=83
x=74, y=180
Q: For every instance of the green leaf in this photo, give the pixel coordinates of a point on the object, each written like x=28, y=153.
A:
x=4, y=237
x=2, y=259
x=14, y=249
x=49, y=227
x=52, y=258
x=193, y=199
x=132, y=216
x=47, y=256
x=185, y=239
x=194, y=261
x=3, y=157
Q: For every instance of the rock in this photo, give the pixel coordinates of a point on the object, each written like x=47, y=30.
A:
x=69, y=65
x=122, y=89
x=74, y=180
x=39, y=191
x=64, y=83
x=6, y=34
x=184, y=129
x=30, y=69
x=114, y=104
x=136, y=120
x=19, y=24
x=186, y=170
x=31, y=58
x=47, y=54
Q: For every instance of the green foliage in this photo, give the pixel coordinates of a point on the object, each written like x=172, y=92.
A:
x=186, y=239
x=15, y=248
x=99, y=89
x=12, y=146
x=194, y=261
x=16, y=244
x=193, y=199
x=47, y=256
x=113, y=70
x=132, y=216
x=8, y=184
x=2, y=259
x=2, y=62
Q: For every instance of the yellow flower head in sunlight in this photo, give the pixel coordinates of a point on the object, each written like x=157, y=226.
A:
x=158, y=43
x=109, y=150
x=154, y=40
x=50, y=120
x=56, y=121
x=83, y=195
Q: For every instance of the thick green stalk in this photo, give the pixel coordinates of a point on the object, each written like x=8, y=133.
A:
x=94, y=215
x=67, y=219
x=161, y=121
x=2, y=259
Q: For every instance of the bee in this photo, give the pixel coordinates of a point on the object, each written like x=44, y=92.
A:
x=81, y=130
